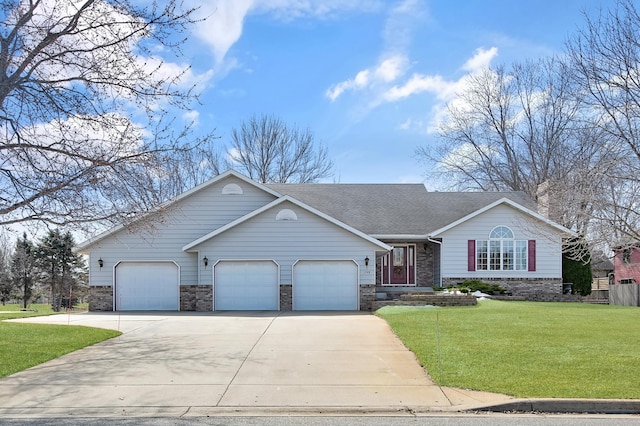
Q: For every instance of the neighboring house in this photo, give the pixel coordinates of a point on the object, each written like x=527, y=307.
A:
x=602, y=272
x=626, y=264
x=234, y=244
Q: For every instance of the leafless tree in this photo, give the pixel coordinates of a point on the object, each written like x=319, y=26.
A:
x=606, y=62
x=270, y=151
x=7, y=287
x=519, y=128
x=85, y=108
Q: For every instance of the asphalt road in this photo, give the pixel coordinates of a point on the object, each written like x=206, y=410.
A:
x=446, y=420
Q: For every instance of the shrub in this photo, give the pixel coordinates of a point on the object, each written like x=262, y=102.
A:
x=576, y=268
x=477, y=285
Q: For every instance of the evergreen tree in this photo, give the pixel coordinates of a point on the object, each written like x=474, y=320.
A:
x=60, y=268
x=576, y=269
x=22, y=273
x=7, y=286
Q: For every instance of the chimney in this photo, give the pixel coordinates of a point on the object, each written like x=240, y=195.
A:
x=542, y=198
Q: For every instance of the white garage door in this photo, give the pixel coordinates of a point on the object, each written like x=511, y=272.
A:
x=246, y=286
x=325, y=285
x=147, y=286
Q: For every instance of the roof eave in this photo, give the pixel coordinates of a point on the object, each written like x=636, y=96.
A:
x=514, y=205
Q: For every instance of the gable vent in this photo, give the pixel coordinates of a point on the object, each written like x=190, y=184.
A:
x=286, y=214
x=232, y=189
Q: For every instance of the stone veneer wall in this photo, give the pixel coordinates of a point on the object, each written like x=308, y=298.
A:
x=529, y=288
x=100, y=298
x=367, y=297
x=425, y=265
x=197, y=298
x=286, y=297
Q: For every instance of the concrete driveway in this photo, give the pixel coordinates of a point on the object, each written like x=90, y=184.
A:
x=200, y=364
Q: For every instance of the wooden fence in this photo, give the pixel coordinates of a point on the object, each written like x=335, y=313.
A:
x=624, y=294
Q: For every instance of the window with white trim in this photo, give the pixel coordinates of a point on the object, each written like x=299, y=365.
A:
x=501, y=252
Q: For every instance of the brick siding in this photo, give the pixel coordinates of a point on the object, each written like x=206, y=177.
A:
x=286, y=298
x=197, y=298
x=101, y=298
x=367, y=297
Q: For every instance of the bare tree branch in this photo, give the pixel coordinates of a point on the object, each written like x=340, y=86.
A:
x=84, y=131
x=268, y=150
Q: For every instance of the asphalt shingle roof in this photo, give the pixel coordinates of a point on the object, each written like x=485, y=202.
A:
x=394, y=209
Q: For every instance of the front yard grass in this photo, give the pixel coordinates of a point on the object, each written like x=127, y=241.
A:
x=526, y=349
x=26, y=345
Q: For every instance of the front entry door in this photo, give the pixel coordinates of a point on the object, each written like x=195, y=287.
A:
x=398, y=266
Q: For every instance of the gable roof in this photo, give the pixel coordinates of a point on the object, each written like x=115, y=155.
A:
x=85, y=244
x=387, y=211
x=396, y=210
x=272, y=205
x=510, y=203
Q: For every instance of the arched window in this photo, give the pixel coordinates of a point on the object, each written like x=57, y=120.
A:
x=500, y=233
x=501, y=252
x=232, y=189
x=286, y=214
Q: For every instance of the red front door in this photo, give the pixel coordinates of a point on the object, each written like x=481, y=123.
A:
x=398, y=266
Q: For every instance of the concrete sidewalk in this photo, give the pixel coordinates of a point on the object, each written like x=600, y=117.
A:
x=202, y=364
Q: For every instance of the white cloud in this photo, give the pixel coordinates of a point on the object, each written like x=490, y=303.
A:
x=225, y=18
x=398, y=27
x=388, y=70
x=223, y=26
x=394, y=62
x=417, y=84
x=192, y=116
x=480, y=60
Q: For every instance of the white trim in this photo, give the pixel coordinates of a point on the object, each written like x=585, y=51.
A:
x=510, y=203
x=275, y=203
x=82, y=247
x=114, y=283
x=402, y=237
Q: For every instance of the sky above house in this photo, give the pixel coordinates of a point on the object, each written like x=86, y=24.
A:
x=369, y=78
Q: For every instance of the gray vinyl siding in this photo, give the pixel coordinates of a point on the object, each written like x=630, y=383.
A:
x=548, y=244
x=310, y=237
x=186, y=220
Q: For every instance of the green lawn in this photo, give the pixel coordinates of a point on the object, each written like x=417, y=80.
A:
x=26, y=345
x=526, y=349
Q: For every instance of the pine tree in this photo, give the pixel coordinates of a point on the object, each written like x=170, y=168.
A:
x=22, y=273
x=60, y=268
x=7, y=286
x=576, y=269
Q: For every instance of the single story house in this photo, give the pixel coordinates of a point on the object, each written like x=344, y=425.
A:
x=234, y=244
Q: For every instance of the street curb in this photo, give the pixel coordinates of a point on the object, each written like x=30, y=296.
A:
x=587, y=406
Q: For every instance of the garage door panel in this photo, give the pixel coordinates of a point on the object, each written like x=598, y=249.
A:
x=325, y=285
x=246, y=285
x=147, y=286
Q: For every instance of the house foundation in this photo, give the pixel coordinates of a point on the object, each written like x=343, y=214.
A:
x=536, y=289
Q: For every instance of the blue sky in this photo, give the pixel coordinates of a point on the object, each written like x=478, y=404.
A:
x=367, y=77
